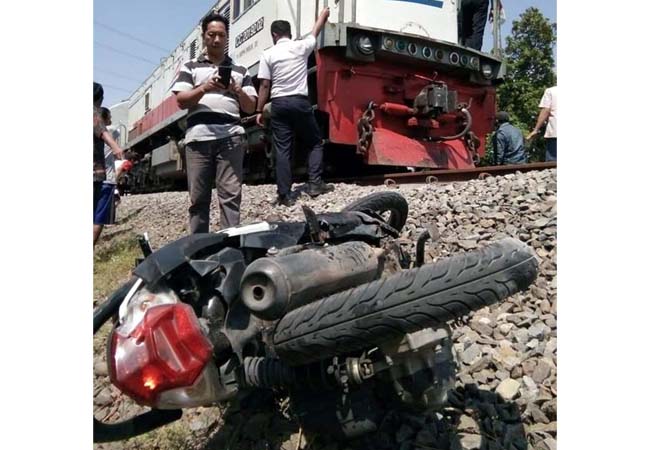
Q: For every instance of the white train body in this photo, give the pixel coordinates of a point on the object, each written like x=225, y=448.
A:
x=250, y=35
x=419, y=37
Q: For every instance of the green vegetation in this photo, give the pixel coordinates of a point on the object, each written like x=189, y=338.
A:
x=529, y=59
x=113, y=263
x=112, y=266
x=174, y=436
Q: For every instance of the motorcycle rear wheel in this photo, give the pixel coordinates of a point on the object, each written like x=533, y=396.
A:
x=381, y=203
x=429, y=296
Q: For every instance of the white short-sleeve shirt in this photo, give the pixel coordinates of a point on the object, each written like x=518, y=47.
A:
x=549, y=100
x=285, y=64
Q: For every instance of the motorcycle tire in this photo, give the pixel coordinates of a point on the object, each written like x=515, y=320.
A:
x=429, y=296
x=383, y=202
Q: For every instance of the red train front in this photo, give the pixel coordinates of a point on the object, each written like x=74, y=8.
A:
x=407, y=101
x=389, y=80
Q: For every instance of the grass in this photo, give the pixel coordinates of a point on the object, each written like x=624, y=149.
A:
x=112, y=266
x=174, y=436
x=113, y=263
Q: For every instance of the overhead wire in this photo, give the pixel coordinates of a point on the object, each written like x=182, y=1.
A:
x=117, y=88
x=115, y=74
x=121, y=52
x=130, y=36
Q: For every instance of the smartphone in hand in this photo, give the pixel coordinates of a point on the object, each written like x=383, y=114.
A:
x=224, y=75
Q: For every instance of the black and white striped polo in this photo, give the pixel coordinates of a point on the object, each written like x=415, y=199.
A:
x=216, y=115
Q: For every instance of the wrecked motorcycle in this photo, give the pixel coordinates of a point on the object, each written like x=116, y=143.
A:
x=329, y=310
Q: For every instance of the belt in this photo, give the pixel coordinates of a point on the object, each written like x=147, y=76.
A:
x=303, y=97
x=211, y=118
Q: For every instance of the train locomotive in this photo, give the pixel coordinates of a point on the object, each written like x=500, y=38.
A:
x=391, y=87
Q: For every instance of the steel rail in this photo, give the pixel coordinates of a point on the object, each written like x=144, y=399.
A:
x=446, y=175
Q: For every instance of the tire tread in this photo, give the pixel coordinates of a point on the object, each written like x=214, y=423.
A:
x=384, y=309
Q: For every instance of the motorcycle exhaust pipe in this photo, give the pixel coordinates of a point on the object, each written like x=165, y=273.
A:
x=273, y=286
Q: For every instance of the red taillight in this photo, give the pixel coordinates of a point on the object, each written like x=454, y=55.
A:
x=166, y=350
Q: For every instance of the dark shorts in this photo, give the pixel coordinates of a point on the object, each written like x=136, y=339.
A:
x=105, y=206
x=97, y=192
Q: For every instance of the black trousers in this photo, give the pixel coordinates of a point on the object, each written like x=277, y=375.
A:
x=291, y=117
x=471, y=22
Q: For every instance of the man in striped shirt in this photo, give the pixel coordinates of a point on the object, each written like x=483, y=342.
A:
x=215, y=141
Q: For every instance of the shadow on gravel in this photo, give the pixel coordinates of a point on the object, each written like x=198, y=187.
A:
x=475, y=420
x=255, y=422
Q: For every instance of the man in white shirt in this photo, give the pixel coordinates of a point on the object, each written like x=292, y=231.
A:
x=548, y=111
x=283, y=69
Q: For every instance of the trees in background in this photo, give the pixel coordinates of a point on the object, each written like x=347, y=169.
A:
x=530, y=69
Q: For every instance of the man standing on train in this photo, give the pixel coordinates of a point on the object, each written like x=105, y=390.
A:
x=215, y=142
x=472, y=16
x=283, y=68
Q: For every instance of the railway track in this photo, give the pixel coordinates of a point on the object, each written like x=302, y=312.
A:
x=419, y=177
x=435, y=176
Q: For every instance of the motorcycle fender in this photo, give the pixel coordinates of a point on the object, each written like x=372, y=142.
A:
x=175, y=254
x=281, y=235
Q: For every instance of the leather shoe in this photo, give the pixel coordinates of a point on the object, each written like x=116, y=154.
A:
x=286, y=200
x=316, y=189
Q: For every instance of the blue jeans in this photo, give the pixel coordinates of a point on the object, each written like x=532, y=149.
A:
x=551, y=149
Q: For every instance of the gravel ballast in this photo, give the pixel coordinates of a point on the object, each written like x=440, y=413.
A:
x=506, y=391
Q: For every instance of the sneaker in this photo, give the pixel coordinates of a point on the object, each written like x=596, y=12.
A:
x=286, y=200
x=316, y=189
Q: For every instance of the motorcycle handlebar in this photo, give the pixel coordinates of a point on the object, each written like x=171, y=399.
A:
x=134, y=426
x=110, y=307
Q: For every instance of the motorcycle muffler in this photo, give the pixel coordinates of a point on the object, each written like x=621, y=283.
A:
x=272, y=286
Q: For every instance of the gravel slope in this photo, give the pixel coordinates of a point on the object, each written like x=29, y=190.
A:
x=508, y=349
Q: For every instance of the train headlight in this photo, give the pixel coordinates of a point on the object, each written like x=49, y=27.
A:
x=401, y=45
x=389, y=43
x=427, y=52
x=486, y=69
x=364, y=45
x=412, y=48
x=454, y=58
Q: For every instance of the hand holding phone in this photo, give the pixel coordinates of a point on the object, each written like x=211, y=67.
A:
x=224, y=76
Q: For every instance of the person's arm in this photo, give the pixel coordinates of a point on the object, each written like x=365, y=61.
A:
x=188, y=95
x=246, y=100
x=246, y=93
x=543, y=116
x=265, y=88
x=264, y=75
x=320, y=22
x=187, y=99
x=108, y=140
